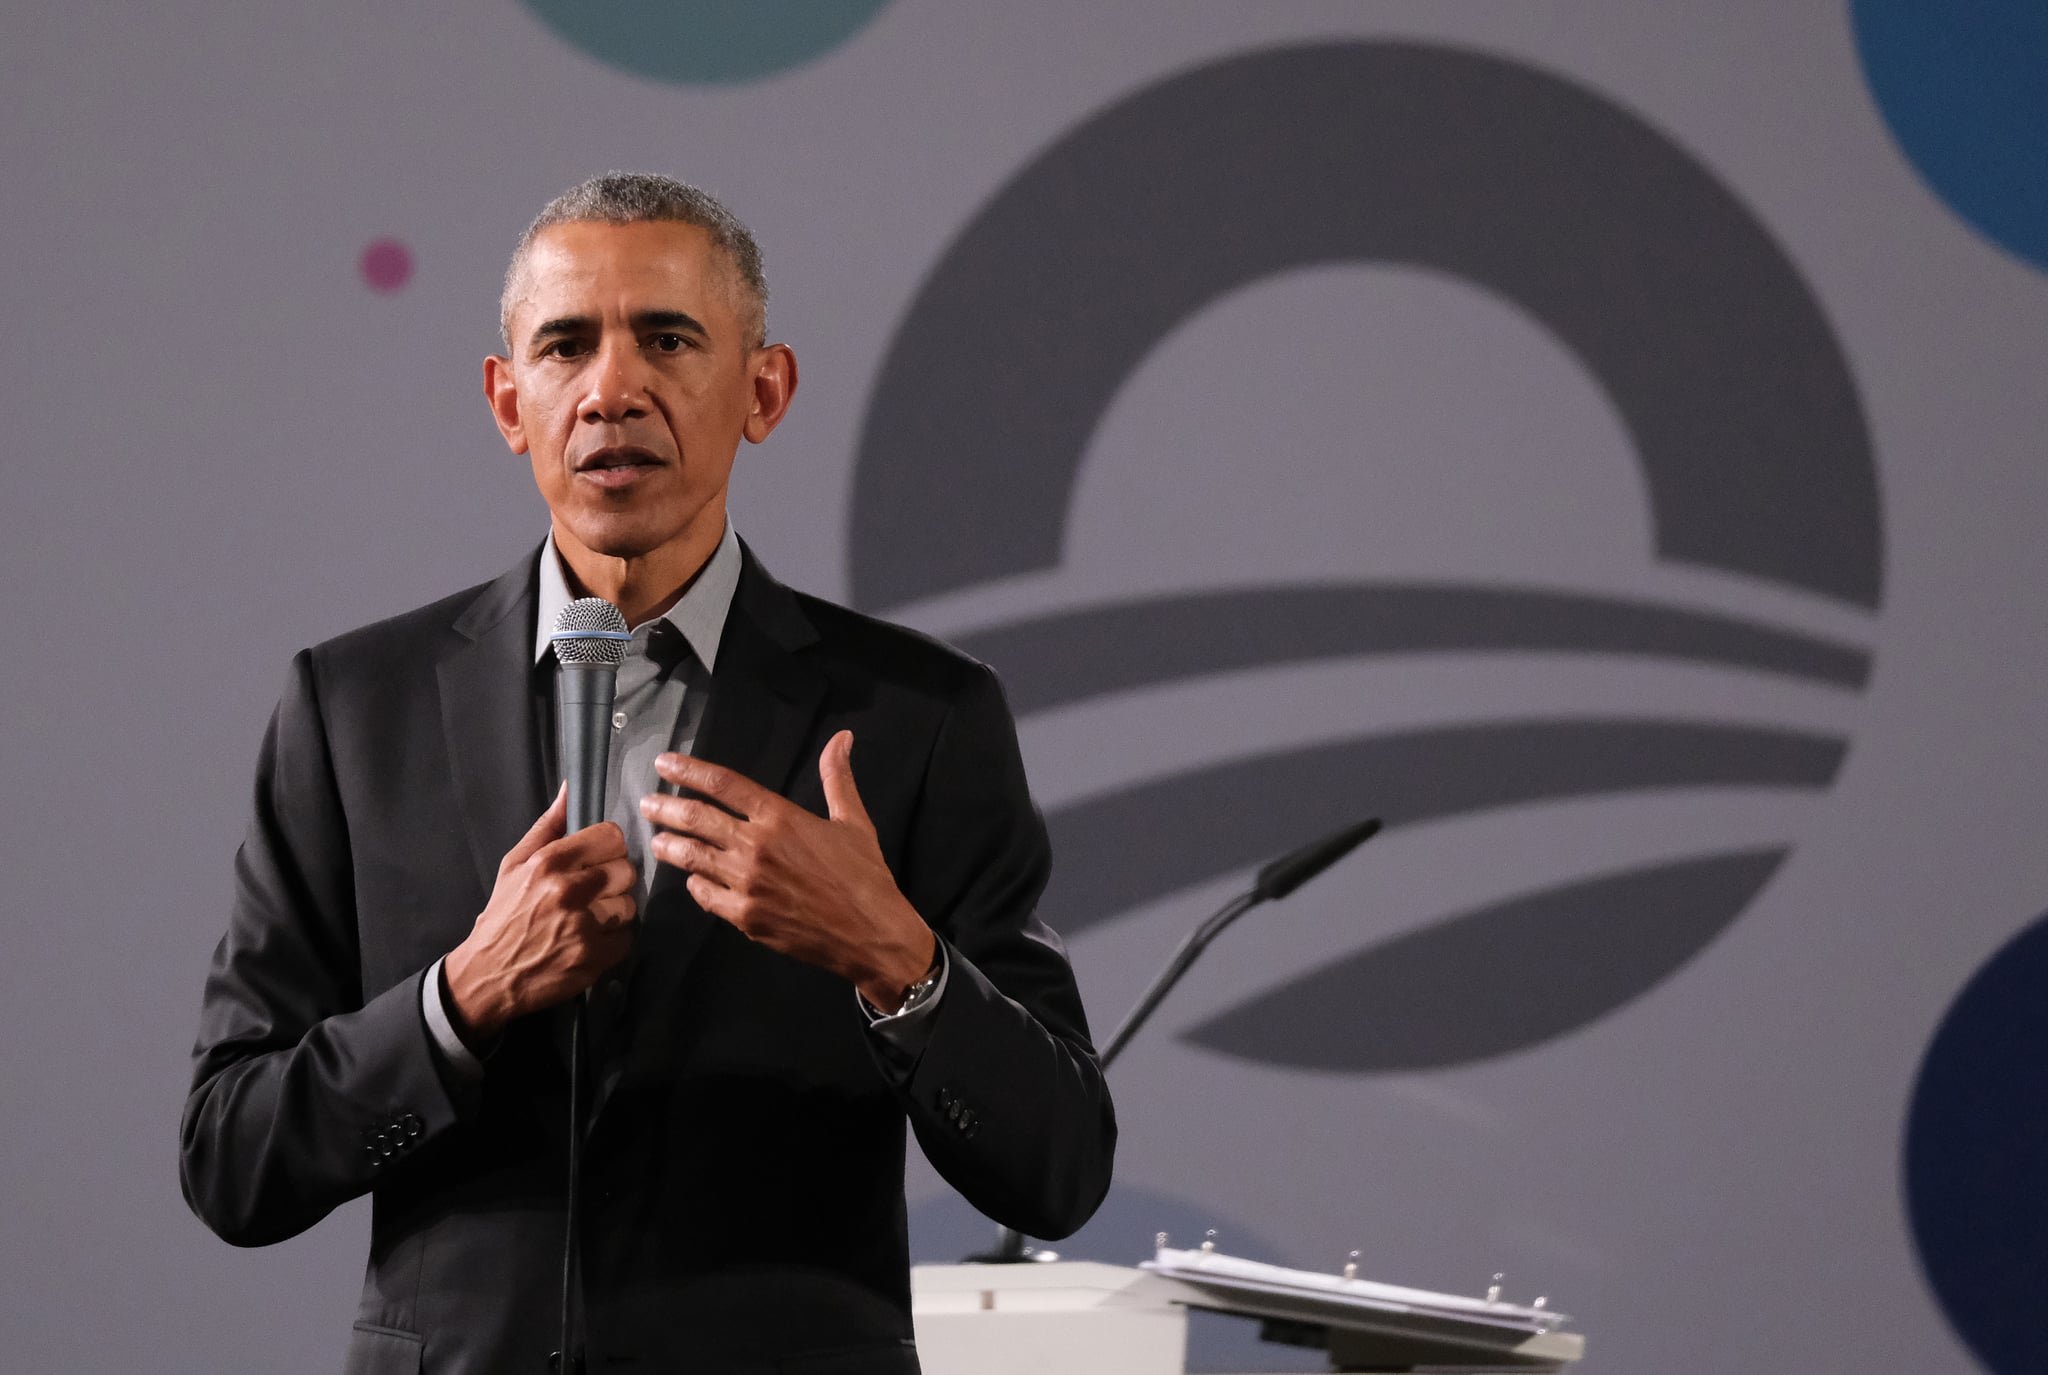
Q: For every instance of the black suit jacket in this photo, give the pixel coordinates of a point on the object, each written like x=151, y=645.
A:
x=744, y=1185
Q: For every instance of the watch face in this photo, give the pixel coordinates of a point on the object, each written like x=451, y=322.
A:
x=918, y=992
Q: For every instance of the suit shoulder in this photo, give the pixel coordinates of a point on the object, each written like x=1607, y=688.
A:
x=421, y=625
x=910, y=658
x=418, y=635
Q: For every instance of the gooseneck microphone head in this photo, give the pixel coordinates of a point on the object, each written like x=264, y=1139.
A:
x=1290, y=871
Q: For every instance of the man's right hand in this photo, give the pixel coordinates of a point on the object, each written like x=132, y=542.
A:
x=560, y=915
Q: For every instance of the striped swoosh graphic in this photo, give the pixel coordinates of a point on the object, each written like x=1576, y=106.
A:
x=1524, y=970
x=1084, y=652
x=1141, y=842
x=1514, y=974
x=1075, y=654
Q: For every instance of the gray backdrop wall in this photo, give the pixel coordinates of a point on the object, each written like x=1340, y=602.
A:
x=1602, y=439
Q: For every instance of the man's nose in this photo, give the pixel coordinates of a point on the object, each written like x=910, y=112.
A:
x=618, y=386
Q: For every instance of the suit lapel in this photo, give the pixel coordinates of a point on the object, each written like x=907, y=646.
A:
x=765, y=696
x=491, y=712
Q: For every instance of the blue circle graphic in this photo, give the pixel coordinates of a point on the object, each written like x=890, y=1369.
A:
x=707, y=42
x=1976, y=1170
x=1965, y=91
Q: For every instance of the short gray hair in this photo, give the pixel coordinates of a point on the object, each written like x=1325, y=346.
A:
x=637, y=198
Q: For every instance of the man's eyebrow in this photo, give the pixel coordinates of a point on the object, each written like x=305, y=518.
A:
x=671, y=320
x=563, y=324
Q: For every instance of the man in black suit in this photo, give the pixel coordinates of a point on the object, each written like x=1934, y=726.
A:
x=782, y=966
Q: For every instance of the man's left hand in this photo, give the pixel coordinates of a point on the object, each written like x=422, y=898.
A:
x=814, y=888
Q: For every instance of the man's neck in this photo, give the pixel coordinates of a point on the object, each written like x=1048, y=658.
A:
x=644, y=586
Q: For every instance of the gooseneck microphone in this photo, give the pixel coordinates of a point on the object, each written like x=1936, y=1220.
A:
x=589, y=641
x=1275, y=880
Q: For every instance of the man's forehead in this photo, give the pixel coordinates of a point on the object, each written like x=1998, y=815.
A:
x=583, y=253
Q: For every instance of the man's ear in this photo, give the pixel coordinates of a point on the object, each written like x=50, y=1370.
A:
x=502, y=394
x=774, y=384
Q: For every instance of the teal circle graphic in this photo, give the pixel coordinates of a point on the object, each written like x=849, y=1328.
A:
x=706, y=42
x=1964, y=90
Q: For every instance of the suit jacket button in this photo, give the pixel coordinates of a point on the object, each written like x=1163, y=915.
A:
x=412, y=1125
x=946, y=1099
x=967, y=1120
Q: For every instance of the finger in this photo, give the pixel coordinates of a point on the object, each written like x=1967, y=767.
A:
x=575, y=884
x=619, y=877
x=614, y=911
x=694, y=856
x=736, y=792
x=715, y=898
x=550, y=827
x=603, y=840
x=605, y=836
x=688, y=816
x=835, y=771
x=594, y=845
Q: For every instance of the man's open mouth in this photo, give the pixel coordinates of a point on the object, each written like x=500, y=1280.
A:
x=610, y=460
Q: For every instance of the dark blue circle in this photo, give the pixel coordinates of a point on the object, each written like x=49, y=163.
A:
x=1976, y=1169
x=1965, y=91
x=707, y=41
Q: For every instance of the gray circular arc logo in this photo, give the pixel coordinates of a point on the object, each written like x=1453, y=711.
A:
x=1633, y=255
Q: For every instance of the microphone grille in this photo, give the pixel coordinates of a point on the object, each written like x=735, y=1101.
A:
x=590, y=633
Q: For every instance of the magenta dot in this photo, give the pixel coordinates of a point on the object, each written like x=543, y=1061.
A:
x=386, y=264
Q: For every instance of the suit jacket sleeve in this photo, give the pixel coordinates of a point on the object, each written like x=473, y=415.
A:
x=303, y=1094
x=1007, y=1098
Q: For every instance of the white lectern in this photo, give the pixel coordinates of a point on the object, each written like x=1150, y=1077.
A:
x=1081, y=1317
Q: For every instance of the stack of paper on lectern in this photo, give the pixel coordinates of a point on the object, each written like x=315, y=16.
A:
x=1367, y=1323
x=1224, y=1273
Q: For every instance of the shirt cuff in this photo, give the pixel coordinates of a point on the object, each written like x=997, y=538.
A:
x=441, y=1026
x=908, y=1031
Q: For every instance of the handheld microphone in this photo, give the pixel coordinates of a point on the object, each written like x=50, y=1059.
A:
x=589, y=641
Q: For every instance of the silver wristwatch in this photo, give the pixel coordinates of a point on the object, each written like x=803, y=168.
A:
x=919, y=993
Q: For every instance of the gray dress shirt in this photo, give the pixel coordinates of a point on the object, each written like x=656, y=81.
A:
x=662, y=690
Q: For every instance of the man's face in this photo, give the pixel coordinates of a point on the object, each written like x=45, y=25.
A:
x=631, y=380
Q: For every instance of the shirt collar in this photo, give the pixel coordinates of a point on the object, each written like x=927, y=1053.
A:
x=699, y=614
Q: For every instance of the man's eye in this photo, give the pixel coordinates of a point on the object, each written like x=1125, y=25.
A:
x=670, y=343
x=562, y=348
